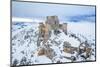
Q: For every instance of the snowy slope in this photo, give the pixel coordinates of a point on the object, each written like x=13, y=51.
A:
x=25, y=48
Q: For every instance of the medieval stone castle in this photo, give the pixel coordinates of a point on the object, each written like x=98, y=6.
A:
x=51, y=24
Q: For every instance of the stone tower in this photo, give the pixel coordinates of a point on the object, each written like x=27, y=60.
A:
x=53, y=21
x=64, y=28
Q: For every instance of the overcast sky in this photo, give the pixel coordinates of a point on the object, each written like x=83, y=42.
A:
x=64, y=12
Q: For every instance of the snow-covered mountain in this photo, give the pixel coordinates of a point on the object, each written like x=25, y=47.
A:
x=25, y=48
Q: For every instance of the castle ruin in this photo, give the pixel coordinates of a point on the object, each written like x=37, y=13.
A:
x=51, y=23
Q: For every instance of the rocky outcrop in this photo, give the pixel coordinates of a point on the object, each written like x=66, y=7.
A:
x=47, y=51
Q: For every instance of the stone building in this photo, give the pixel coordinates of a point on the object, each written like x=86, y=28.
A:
x=41, y=29
x=52, y=20
x=44, y=32
x=64, y=28
x=51, y=23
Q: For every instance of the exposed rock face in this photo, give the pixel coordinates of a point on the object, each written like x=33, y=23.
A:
x=47, y=51
x=68, y=48
x=88, y=52
x=41, y=51
x=84, y=48
x=67, y=44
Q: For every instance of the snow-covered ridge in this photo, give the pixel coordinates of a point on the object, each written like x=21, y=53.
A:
x=25, y=48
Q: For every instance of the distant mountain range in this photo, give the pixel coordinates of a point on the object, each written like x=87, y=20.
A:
x=90, y=18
